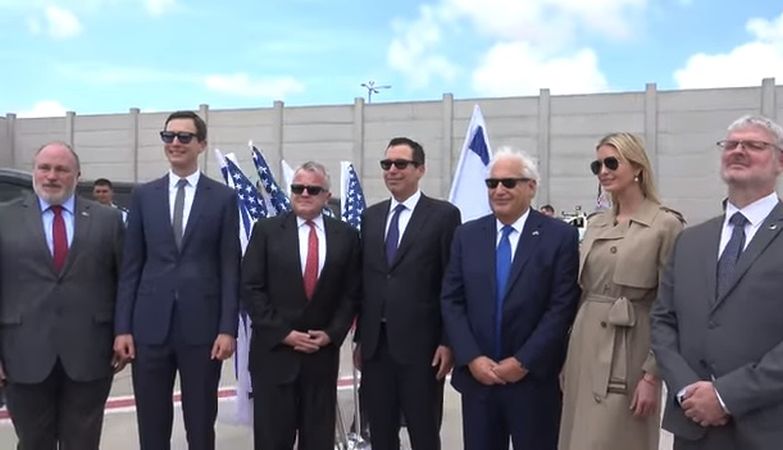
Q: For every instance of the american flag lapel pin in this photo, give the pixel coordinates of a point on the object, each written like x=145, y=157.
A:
x=85, y=214
x=535, y=233
x=774, y=226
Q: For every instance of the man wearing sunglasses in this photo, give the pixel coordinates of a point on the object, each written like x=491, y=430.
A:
x=177, y=301
x=716, y=326
x=300, y=285
x=401, y=347
x=509, y=297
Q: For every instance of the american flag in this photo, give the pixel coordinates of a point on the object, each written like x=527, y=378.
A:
x=277, y=197
x=251, y=205
x=353, y=203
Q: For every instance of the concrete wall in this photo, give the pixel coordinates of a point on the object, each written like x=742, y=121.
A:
x=679, y=128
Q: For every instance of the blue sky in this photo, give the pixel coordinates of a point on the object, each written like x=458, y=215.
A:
x=105, y=56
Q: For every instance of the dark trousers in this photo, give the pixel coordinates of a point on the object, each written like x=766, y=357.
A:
x=154, y=371
x=490, y=418
x=58, y=410
x=306, y=405
x=390, y=387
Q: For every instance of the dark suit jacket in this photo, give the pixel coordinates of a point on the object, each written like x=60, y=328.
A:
x=737, y=339
x=273, y=293
x=46, y=315
x=408, y=292
x=540, y=302
x=202, y=280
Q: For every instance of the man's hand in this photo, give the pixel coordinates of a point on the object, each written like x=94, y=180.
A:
x=702, y=406
x=510, y=370
x=223, y=347
x=646, y=396
x=2, y=375
x=300, y=342
x=357, y=356
x=124, y=351
x=482, y=370
x=443, y=360
x=319, y=337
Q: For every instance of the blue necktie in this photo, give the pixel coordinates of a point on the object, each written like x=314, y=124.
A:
x=727, y=264
x=393, y=236
x=502, y=269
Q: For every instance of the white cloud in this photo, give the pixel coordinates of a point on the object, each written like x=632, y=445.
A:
x=515, y=68
x=744, y=65
x=62, y=23
x=276, y=88
x=34, y=26
x=45, y=108
x=159, y=7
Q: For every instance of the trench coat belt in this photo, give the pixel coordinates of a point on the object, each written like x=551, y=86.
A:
x=620, y=317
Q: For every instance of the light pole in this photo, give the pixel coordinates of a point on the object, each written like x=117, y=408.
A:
x=373, y=89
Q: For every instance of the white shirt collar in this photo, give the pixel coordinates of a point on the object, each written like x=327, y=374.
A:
x=67, y=205
x=192, y=179
x=318, y=221
x=410, y=203
x=756, y=212
x=518, y=225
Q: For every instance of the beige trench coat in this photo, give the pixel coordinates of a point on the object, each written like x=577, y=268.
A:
x=609, y=347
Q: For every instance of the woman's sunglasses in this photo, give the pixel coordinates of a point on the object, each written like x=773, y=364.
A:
x=610, y=162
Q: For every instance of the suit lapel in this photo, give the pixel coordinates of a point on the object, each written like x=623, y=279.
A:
x=290, y=240
x=332, y=240
x=161, y=208
x=487, y=246
x=711, y=243
x=419, y=217
x=766, y=233
x=81, y=229
x=32, y=214
x=526, y=246
x=200, y=199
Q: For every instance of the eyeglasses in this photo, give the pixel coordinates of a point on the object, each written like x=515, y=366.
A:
x=183, y=137
x=400, y=164
x=610, y=162
x=755, y=146
x=508, y=183
x=298, y=189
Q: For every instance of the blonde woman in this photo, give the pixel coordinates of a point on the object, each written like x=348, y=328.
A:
x=611, y=387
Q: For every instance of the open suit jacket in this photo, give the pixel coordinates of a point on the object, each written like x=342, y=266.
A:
x=202, y=279
x=538, y=307
x=408, y=292
x=45, y=315
x=273, y=293
x=736, y=339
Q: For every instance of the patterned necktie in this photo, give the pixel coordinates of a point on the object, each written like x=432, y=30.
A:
x=311, y=263
x=727, y=264
x=393, y=235
x=179, y=212
x=59, y=239
x=502, y=269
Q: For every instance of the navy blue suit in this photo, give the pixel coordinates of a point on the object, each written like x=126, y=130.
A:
x=538, y=308
x=175, y=303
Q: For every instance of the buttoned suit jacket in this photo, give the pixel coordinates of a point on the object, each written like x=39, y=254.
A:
x=45, y=314
x=735, y=339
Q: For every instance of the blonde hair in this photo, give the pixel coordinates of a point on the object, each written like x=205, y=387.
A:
x=631, y=150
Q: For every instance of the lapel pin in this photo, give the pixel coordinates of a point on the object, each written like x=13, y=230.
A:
x=774, y=226
x=535, y=233
x=85, y=214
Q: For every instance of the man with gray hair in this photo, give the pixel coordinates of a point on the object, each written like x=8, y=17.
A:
x=300, y=285
x=59, y=265
x=716, y=327
x=509, y=297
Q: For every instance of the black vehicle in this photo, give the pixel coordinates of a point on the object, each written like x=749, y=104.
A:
x=17, y=183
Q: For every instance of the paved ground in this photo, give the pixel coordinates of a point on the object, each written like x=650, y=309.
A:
x=119, y=431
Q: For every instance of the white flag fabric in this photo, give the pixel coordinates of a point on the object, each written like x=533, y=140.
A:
x=468, y=191
x=352, y=201
x=288, y=175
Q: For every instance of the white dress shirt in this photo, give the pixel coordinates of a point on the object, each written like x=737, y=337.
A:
x=304, y=239
x=190, y=194
x=405, y=215
x=47, y=217
x=513, y=237
x=756, y=212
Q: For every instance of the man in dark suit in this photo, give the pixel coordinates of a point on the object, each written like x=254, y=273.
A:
x=178, y=296
x=59, y=264
x=401, y=347
x=300, y=285
x=716, y=327
x=509, y=297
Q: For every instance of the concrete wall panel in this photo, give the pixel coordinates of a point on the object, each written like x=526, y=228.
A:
x=597, y=103
x=748, y=98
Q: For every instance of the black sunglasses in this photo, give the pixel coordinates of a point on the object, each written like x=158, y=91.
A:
x=298, y=189
x=610, y=162
x=183, y=137
x=400, y=164
x=508, y=183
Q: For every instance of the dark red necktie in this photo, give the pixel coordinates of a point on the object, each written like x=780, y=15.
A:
x=311, y=263
x=59, y=238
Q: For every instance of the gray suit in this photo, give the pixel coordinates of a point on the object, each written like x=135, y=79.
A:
x=736, y=339
x=57, y=328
